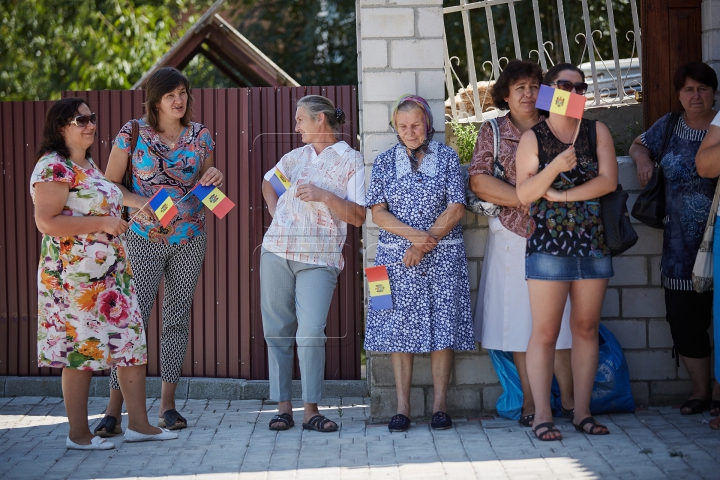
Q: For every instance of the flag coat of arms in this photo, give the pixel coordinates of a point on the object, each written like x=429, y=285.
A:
x=379, y=287
x=279, y=182
x=214, y=199
x=163, y=206
x=561, y=102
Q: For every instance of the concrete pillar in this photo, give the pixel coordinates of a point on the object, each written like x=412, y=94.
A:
x=710, y=17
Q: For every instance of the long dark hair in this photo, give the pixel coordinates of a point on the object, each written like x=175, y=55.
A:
x=159, y=83
x=58, y=117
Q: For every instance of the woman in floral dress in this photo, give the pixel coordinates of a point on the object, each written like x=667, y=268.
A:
x=417, y=199
x=88, y=318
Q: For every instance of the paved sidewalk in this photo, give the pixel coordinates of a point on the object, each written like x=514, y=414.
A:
x=230, y=440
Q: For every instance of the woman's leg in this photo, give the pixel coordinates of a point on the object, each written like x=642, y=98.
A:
x=182, y=272
x=76, y=388
x=586, y=297
x=314, y=288
x=148, y=264
x=690, y=314
x=547, y=302
x=402, y=369
x=528, y=405
x=563, y=374
x=132, y=384
x=277, y=303
x=441, y=365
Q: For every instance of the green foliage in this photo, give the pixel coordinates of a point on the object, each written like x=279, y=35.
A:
x=465, y=138
x=48, y=46
x=312, y=40
x=526, y=31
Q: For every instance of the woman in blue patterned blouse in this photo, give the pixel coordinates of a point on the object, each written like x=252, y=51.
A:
x=417, y=198
x=687, y=206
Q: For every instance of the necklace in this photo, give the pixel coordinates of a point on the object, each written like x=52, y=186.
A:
x=554, y=132
x=168, y=141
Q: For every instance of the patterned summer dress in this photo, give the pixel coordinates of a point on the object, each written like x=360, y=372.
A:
x=88, y=316
x=432, y=299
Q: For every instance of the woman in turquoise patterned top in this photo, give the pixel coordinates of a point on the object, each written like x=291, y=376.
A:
x=175, y=154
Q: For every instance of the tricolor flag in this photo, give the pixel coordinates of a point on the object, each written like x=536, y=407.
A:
x=561, y=102
x=214, y=199
x=379, y=286
x=279, y=182
x=163, y=206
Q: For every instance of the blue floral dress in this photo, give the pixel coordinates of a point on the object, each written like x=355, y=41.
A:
x=687, y=200
x=431, y=301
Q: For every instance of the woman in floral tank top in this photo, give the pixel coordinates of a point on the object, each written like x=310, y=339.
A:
x=566, y=251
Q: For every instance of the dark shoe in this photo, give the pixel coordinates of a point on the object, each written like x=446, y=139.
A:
x=715, y=408
x=318, y=423
x=567, y=412
x=109, y=423
x=695, y=405
x=399, y=423
x=440, y=421
x=590, y=420
x=172, y=420
x=527, y=420
x=550, y=429
x=281, y=422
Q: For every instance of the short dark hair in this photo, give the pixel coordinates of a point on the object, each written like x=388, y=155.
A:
x=159, y=83
x=698, y=71
x=56, y=118
x=554, y=72
x=515, y=71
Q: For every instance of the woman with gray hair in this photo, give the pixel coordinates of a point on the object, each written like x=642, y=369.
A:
x=417, y=199
x=312, y=194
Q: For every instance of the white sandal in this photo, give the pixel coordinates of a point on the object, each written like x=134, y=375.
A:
x=96, y=443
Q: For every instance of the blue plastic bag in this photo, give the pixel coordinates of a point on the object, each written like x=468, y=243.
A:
x=509, y=405
x=611, y=391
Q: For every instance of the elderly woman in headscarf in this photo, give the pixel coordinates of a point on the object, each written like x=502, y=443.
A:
x=417, y=198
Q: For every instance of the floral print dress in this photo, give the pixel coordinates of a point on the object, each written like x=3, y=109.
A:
x=431, y=301
x=88, y=316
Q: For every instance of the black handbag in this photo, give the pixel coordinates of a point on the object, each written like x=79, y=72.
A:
x=649, y=208
x=619, y=232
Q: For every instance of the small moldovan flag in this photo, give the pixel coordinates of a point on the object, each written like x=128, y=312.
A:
x=279, y=182
x=214, y=199
x=163, y=206
x=561, y=102
x=379, y=286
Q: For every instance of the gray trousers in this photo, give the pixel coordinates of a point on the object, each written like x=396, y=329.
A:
x=295, y=299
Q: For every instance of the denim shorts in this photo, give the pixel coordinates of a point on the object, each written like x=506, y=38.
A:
x=543, y=266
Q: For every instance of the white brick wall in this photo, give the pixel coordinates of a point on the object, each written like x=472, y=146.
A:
x=401, y=51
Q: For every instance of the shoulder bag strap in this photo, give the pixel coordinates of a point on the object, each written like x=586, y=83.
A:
x=669, y=128
x=498, y=170
x=133, y=143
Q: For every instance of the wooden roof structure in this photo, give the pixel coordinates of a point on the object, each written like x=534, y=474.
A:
x=227, y=49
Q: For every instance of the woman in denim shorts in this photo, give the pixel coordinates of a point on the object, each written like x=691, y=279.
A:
x=566, y=251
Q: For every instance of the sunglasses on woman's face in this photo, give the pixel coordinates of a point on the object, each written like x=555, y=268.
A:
x=567, y=85
x=83, y=120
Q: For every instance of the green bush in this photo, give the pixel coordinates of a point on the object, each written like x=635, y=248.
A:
x=466, y=135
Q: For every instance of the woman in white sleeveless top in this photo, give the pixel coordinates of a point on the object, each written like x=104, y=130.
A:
x=312, y=194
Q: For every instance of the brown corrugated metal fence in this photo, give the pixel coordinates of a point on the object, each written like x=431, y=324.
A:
x=253, y=128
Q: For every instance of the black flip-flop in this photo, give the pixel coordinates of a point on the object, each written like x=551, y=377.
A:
x=282, y=422
x=110, y=424
x=550, y=429
x=318, y=423
x=695, y=405
x=594, y=423
x=527, y=420
x=172, y=420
